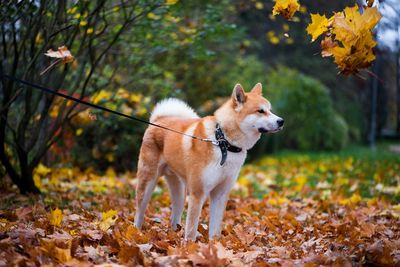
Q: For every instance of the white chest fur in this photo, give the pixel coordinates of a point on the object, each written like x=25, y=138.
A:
x=214, y=174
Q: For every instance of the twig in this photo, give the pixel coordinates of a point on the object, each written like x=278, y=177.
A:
x=50, y=66
x=11, y=100
x=375, y=76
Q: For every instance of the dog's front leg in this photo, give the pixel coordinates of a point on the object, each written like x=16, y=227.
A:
x=218, y=196
x=196, y=202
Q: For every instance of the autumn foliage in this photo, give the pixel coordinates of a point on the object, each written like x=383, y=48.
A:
x=297, y=210
x=286, y=7
x=348, y=37
x=284, y=211
x=348, y=34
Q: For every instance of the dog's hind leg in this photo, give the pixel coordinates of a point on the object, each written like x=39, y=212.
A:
x=177, y=191
x=147, y=179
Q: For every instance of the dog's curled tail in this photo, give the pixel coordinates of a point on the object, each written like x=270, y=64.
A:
x=172, y=107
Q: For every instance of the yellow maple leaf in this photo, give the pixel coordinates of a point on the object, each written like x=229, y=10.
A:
x=135, y=98
x=101, y=95
x=286, y=7
x=371, y=17
x=55, y=217
x=38, y=181
x=277, y=200
x=108, y=219
x=171, y=2
x=318, y=26
x=42, y=170
x=350, y=40
x=348, y=25
x=301, y=180
x=354, y=199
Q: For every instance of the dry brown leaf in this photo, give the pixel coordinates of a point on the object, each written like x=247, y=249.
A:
x=62, y=53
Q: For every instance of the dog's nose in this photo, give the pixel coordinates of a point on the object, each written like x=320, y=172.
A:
x=280, y=122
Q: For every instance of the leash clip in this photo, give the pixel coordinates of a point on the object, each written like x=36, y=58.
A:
x=214, y=142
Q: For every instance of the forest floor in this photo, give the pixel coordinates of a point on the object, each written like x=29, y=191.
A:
x=286, y=210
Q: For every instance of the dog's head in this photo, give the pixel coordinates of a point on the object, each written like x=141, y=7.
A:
x=253, y=111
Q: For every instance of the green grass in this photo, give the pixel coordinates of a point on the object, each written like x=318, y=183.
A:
x=356, y=170
x=380, y=152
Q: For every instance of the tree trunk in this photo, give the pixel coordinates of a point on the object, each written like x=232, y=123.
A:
x=373, y=106
x=398, y=92
x=24, y=181
x=27, y=184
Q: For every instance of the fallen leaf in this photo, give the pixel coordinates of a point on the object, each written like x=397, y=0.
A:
x=56, y=217
x=108, y=219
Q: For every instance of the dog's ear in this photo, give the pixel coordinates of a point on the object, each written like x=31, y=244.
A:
x=257, y=89
x=238, y=94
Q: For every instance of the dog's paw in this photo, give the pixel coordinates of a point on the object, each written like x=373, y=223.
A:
x=177, y=227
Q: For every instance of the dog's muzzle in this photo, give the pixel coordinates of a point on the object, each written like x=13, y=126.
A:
x=263, y=130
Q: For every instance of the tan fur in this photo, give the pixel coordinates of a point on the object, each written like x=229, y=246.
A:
x=164, y=153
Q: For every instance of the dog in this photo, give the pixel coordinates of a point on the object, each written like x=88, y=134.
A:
x=199, y=169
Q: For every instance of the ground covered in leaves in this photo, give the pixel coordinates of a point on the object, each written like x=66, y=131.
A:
x=289, y=210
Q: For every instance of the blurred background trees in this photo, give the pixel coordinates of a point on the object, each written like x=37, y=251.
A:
x=131, y=54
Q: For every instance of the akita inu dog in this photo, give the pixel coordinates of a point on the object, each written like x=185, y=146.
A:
x=201, y=169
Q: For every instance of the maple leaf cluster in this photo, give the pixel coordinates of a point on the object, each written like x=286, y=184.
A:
x=348, y=37
x=286, y=7
x=296, y=226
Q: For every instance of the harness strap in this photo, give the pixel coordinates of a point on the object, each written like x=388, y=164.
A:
x=224, y=145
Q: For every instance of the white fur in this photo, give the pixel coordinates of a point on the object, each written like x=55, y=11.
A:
x=246, y=139
x=188, y=141
x=218, y=180
x=177, y=191
x=253, y=122
x=174, y=108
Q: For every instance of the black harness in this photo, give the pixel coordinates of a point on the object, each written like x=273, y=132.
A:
x=224, y=145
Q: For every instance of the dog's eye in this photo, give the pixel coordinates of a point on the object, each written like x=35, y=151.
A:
x=260, y=111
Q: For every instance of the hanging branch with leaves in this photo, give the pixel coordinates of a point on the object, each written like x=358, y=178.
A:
x=348, y=36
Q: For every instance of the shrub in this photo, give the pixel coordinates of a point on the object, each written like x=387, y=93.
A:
x=311, y=122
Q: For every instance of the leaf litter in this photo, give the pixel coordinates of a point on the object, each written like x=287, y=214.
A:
x=87, y=219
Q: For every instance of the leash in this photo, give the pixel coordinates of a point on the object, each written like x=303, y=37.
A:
x=80, y=101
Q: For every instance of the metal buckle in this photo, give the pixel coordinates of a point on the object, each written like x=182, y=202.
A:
x=214, y=142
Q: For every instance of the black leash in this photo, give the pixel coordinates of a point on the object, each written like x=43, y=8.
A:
x=80, y=101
